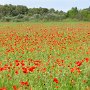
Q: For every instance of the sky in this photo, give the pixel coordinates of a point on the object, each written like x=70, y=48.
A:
x=64, y=5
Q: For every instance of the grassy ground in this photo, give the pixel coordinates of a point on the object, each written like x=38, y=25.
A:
x=45, y=56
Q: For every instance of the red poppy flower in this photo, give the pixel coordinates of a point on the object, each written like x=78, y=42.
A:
x=87, y=59
x=55, y=80
x=24, y=83
x=16, y=72
x=72, y=70
x=14, y=87
x=25, y=70
x=79, y=63
x=3, y=88
x=31, y=69
x=17, y=62
x=78, y=70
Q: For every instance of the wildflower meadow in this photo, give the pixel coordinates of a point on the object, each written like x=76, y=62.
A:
x=45, y=56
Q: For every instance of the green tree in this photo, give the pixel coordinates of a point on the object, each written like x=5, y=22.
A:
x=72, y=13
x=85, y=14
x=20, y=9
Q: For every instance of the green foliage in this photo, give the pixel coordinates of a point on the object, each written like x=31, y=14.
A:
x=72, y=13
x=22, y=13
x=86, y=15
x=6, y=19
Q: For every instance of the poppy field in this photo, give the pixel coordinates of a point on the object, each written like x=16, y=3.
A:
x=45, y=56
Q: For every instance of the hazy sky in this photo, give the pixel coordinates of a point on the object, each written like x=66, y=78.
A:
x=56, y=4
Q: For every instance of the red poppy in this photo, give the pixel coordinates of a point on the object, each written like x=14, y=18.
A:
x=87, y=59
x=17, y=63
x=72, y=70
x=3, y=88
x=79, y=63
x=78, y=70
x=31, y=69
x=22, y=63
x=24, y=83
x=1, y=69
x=25, y=70
x=14, y=87
x=16, y=72
x=55, y=80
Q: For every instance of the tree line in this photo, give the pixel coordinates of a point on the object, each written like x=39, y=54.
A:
x=22, y=13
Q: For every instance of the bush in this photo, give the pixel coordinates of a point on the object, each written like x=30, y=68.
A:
x=20, y=16
x=26, y=18
x=6, y=19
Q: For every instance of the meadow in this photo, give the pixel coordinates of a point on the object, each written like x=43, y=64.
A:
x=45, y=56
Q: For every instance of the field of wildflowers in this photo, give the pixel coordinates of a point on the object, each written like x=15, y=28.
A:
x=45, y=56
